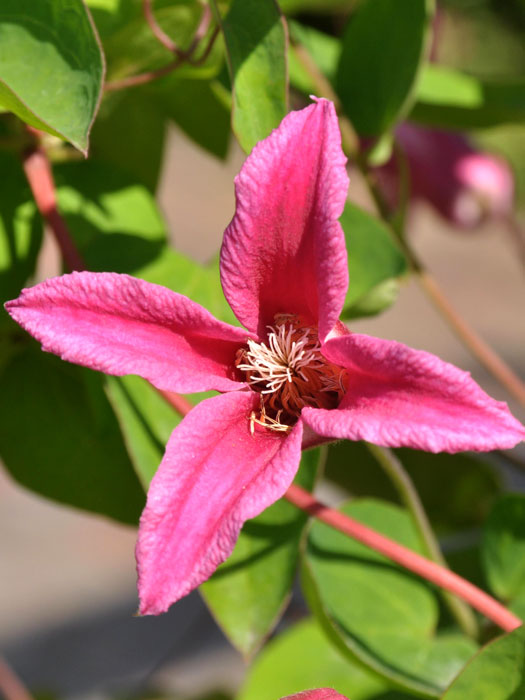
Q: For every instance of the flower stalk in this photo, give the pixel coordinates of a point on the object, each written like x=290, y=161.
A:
x=409, y=496
x=429, y=570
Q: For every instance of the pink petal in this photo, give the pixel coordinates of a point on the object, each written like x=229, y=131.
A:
x=284, y=250
x=398, y=396
x=214, y=476
x=316, y=694
x=122, y=325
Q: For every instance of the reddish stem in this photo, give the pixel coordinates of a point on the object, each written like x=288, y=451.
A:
x=11, y=687
x=179, y=403
x=38, y=172
x=406, y=558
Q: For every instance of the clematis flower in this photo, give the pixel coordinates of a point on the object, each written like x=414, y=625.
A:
x=316, y=694
x=293, y=377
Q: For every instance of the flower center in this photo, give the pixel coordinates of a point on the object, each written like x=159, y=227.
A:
x=289, y=372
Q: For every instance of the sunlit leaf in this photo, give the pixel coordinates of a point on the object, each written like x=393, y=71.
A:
x=51, y=66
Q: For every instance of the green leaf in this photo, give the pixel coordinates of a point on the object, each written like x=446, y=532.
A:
x=449, y=98
x=303, y=658
x=131, y=47
x=248, y=593
x=503, y=550
x=59, y=436
x=201, y=108
x=495, y=673
x=51, y=66
x=130, y=134
x=383, y=46
x=377, y=612
x=325, y=51
x=373, y=259
x=472, y=482
x=117, y=226
x=255, y=36
x=146, y=421
x=20, y=231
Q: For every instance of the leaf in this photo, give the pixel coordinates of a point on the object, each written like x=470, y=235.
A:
x=373, y=258
x=503, y=550
x=201, y=108
x=20, y=232
x=472, y=482
x=495, y=673
x=51, y=66
x=301, y=658
x=130, y=134
x=255, y=36
x=449, y=98
x=248, y=593
x=377, y=612
x=59, y=436
x=383, y=45
x=131, y=47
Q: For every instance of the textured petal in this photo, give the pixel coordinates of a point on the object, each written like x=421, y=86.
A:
x=214, y=476
x=316, y=694
x=398, y=396
x=284, y=250
x=122, y=325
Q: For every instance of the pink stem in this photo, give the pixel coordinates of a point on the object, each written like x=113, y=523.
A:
x=38, y=172
x=406, y=558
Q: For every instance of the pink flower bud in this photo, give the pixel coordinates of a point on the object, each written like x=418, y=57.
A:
x=466, y=186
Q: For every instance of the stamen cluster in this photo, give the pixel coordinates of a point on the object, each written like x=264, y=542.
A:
x=289, y=372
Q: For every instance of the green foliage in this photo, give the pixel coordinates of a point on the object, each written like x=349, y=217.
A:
x=503, y=549
x=20, y=232
x=376, y=612
x=496, y=673
x=255, y=37
x=449, y=98
x=302, y=657
x=51, y=67
x=373, y=260
x=383, y=45
x=248, y=593
x=59, y=436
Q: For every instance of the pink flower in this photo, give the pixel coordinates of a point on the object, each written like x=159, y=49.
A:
x=466, y=186
x=295, y=378
x=316, y=694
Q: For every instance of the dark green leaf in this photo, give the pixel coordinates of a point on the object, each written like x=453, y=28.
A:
x=201, y=108
x=51, y=66
x=496, y=673
x=503, y=549
x=130, y=134
x=376, y=611
x=59, y=436
x=383, y=46
x=373, y=259
x=248, y=593
x=20, y=231
x=255, y=37
x=451, y=99
x=471, y=481
x=303, y=658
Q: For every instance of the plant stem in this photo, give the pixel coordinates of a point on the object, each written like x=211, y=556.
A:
x=11, y=687
x=410, y=498
x=408, y=559
x=38, y=172
x=477, y=346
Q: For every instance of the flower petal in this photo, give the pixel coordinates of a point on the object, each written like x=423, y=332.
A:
x=284, y=250
x=316, y=694
x=214, y=476
x=398, y=396
x=122, y=325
